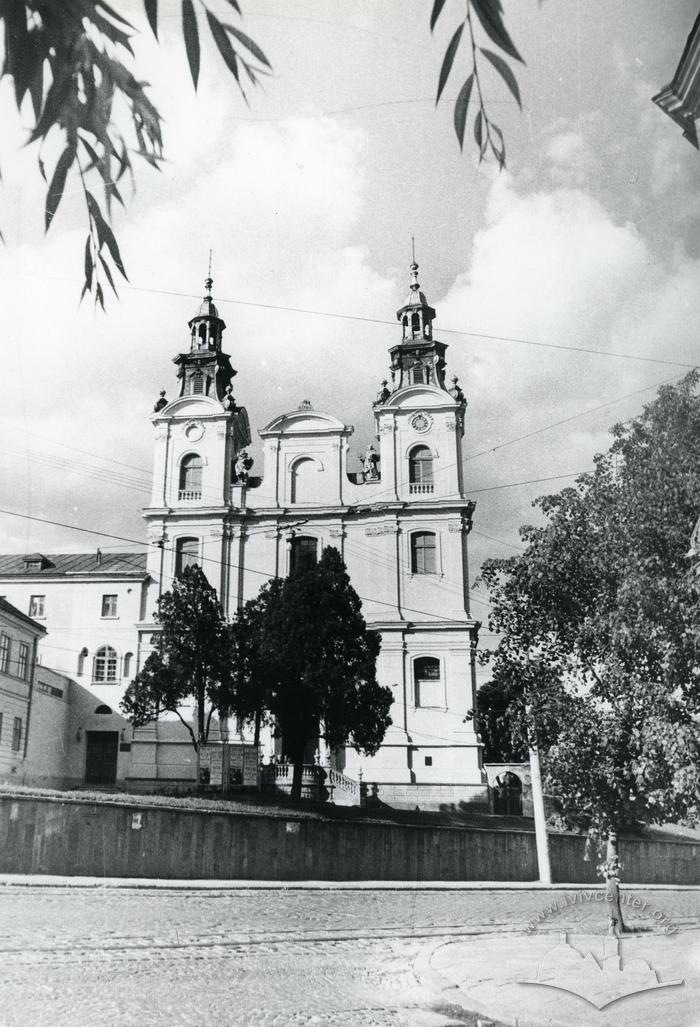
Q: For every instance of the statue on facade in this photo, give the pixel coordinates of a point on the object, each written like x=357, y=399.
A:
x=229, y=402
x=369, y=465
x=242, y=467
x=160, y=402
x=383, y=393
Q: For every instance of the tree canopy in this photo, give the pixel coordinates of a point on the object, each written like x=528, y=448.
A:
x=310, y=662
x=191, y=658
x=599, y=622
x=492, y=723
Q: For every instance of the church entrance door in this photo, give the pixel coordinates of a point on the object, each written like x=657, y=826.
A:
x=101, y=755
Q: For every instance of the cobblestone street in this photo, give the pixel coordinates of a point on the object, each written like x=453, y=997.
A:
x=111, y=956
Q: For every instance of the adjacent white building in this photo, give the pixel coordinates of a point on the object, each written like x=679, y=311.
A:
x=401, y=526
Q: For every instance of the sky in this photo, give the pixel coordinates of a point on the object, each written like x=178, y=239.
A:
x=309, y=198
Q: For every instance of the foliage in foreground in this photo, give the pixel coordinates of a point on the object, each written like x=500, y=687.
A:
x=599, y=622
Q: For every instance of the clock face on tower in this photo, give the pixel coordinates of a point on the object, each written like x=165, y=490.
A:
x=421, y=422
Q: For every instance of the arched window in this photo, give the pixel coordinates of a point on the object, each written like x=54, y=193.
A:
x=508, y=795
x=303, y=553
x=103, y=711
x=191, y=477
x=82, y=656
x=423, y=553
x=420, y=470
x=415, y=323
x=305, y=481
x=427, y=681
x=105, y=664
x=186, y=554
x=128, y=657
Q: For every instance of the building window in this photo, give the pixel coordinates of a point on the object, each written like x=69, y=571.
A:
x=17, y=734
x=36, y=606
x=428, y=761
x=23, y=661
x=419, y=375
x=190, y=477
x=420, y=470
x=302, y=554
x=128, y=657
x=428, y=683
x=198, y=383
x=423, y=553
x=186, y=554
x=109, y=606
x=5, y=654
x=82, y=656
x=105, y=666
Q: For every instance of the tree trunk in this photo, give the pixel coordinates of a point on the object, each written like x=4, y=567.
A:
x=200, y=729
x=297, y=754
x=256, y=743
x=611, y=871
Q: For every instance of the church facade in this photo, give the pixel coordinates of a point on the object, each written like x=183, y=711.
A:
x=401, y=525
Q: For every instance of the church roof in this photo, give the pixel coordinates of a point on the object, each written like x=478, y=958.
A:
x=97, y=564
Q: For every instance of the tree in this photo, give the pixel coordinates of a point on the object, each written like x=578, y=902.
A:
x=191, y=659
x=72, y=59
x=492, y=723
x=313, y=662
x=599, y=622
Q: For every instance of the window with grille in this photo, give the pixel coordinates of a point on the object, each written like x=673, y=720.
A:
x=423, y=553
x=191, y=477
x=36, y=606
x=427, y=681
x=5, y=653
x=198, y=383
x=303, y=554
x=17, y=734
x=23, y=661
x=187, y=554
x=420, y=470
x=109, y=606
x=105, y=665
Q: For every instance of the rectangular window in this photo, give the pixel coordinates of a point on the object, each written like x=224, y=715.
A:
x=109, y=606
x=23, y=661
x=5, y=654
x=36, y=606
x=428, y=761
x=423, y=553
x=17, y=734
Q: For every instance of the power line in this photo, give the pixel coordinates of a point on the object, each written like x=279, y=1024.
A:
x=368, y=320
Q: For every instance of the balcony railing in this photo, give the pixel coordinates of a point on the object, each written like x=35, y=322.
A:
x=420, y=488
x=189, y=495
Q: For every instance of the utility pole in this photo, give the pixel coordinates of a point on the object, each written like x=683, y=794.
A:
x=541, y=840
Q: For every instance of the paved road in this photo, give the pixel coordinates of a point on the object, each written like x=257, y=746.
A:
x=112, y=956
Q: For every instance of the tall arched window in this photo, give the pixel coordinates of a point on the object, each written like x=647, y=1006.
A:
x=191, y=477
x=82, y=656
x=186, y=554
x=427, y=682
x=105, y=665
x=420, y=470
x=303, y=553
x=423, y=553
x=305, y=481
x=128, y=657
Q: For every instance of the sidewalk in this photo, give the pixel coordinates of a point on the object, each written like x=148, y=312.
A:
x=54, y=881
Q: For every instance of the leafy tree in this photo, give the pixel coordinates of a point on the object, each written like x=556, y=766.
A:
x=191, y=659
x=72, y=58
x=313, y=662
x=492, y=723
x=599, y=622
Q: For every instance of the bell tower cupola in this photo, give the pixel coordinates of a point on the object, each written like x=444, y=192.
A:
x=418, y=359
x=205, y=369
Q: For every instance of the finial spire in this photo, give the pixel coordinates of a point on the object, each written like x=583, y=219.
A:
x=209, y=281
x=413, y=248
